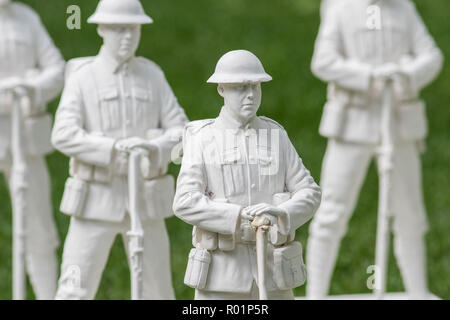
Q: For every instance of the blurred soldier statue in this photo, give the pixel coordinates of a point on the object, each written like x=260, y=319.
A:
x=240, y=173
x=115, y=104
x=324, y=5
x=31, y=67
x=364, y=50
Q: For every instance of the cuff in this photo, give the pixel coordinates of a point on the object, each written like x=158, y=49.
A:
x=359, y=78
x=106, y=151
x=284, y=224
x=234, y=213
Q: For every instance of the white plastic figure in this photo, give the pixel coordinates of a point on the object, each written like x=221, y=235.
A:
x=240, y=173
x=325, y=5
x=31, y=69
x=365, y=50
x=114, y=105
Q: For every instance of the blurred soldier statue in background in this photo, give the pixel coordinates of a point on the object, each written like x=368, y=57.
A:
x=31, y=66
x=115, y=104
x=241, y=174
x=364, y=48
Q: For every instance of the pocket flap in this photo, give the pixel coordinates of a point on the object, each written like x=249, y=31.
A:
x=19, y=38
x=290, y=251
x=231, y=156
x=109, y=94
x=265, y=160
x=141, y=94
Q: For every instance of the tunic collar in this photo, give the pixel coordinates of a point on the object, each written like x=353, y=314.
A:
x=226, y=121
x=111, y=63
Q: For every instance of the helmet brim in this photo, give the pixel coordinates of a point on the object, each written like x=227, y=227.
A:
x=119, y=19
x=239, y=78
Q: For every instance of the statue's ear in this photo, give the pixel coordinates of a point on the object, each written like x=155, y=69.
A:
x=100, y=30
x=220, y=89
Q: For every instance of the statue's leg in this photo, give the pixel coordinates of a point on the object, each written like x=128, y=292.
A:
x=343, y=170
x=86, y=251
x=410, y=222
x=41, y=235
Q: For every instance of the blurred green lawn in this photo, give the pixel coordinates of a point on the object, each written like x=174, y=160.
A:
x=186, y=40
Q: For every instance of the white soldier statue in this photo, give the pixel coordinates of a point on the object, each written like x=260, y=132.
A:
x=240, y=174
x=373, y=54
x=115, y=105
x=31, y=67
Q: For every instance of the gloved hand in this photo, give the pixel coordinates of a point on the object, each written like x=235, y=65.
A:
x=128, y=144
x=13, y=87
x=263, y=214
x=262, y=221
x=389, y=72
x=120, y=162
x=123, y=147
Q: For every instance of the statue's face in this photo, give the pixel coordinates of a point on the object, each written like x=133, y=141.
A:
x=242, y=99
x=121, y=40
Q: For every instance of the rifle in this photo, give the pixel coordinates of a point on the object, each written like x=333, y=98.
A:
x=136, y=234
x=384, y=206
x=261, y=257
x=19, y=188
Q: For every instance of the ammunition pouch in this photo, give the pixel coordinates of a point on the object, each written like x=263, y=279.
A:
x=289, y=270
x=197, y=269
x=74, y=197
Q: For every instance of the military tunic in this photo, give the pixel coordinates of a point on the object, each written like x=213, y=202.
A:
x=227, y=167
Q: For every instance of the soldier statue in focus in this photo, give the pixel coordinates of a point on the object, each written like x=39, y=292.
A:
x=30, y=66
x=364, y=48
x=240, y=173
x=115, y=104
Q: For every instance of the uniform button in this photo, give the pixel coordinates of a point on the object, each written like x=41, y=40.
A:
x=253, y=186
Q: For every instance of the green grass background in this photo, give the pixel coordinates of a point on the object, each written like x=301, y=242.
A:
x=186, y=40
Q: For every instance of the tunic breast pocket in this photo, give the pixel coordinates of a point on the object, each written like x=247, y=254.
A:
x=141, y=106
x=110, y=109
x=268, y=165
x=395, y=41
x=233, y=172
x=20, y=50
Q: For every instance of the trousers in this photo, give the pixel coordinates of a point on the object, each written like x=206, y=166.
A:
x=86, y=252
x=343, y=171
x=40, y=230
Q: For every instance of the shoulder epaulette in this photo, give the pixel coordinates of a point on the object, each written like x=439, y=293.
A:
x=147, y=62
x=197, y=125
x=77, y=64
x=271, y=121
